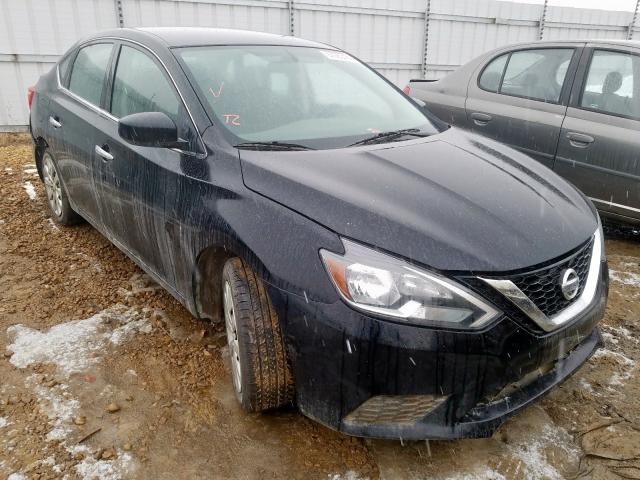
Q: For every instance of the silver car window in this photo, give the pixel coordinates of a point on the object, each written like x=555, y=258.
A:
x=612, y=84
x=492, y=74
x=536, y=74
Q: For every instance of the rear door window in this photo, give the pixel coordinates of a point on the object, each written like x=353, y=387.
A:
x=538, y=74
x=613, y=84
x=88, y=76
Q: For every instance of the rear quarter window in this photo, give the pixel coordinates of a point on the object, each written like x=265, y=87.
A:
x=64, y=67
x=492, y=74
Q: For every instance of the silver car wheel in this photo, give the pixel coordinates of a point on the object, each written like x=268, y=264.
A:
x=232, y=338
x=52, y=185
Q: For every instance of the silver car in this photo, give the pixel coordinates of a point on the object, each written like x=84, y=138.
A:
x=572, y=105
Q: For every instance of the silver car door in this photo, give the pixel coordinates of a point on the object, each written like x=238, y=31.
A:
x=599, y=147
x=519, y=97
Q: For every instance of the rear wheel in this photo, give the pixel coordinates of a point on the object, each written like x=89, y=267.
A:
x=57, y=198
x=261, y=373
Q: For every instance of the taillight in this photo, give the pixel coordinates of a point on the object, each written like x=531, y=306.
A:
x=406, y=89
x=30, y=93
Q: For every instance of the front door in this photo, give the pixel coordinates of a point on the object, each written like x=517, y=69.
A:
x=138, y=186
x=518, y=98
x=599, y=148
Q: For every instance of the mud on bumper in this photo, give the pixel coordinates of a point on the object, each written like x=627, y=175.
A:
x=369, y=377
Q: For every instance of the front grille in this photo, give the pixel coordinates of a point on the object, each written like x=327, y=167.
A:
x=543, y=286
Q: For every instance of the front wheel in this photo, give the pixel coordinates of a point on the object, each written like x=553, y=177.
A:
x=261, y=373
x=57, y=197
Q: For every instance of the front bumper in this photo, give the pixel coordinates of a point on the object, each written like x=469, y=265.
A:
x=370, y=377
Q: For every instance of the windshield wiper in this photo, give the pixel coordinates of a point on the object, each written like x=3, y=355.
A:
x=384, y=136
x=274, y=145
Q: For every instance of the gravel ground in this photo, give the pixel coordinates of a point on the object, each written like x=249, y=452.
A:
x=104, y=375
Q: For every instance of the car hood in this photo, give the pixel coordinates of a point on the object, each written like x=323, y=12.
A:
x=453, y=201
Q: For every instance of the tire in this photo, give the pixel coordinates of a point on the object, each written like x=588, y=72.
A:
x=262, y=377
x=57, y=198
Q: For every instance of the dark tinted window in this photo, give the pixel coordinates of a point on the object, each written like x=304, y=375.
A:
x=537, y=74
x=140, y=86
x=613, y=84
x=89, y=72
x=492, y=74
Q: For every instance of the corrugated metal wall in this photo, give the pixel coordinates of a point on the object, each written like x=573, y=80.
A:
x=391, y=35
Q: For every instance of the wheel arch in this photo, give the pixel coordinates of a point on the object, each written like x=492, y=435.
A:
x=40, y=145
x=207, y=275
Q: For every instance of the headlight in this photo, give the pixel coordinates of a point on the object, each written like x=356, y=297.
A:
x=381, y=284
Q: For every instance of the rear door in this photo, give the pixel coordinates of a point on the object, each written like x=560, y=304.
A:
x=75, y=119
x=138, y=186
x=599, y=148
x=519, y=97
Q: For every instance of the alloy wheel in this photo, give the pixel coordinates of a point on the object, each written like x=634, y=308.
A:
x=52, y=185
x=232, y=338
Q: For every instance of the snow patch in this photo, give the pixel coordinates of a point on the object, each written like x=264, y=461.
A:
x=72, y=348
x=619, y=357
x=53, y=225
x=59, y=406
x=484, y=473
x=17, y=476
x=121, y=467
x=532, y=454
x=31, y=171
x=348, y=475
x=4, y=422
x=30, y=189
x=626, y=364
x=625, y=278
x=586, y=385
x=621, y=332
x=70, y=345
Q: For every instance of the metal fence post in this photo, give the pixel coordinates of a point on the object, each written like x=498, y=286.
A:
x=291, y=19
x=119, y=14
x=632, y=25
x=543, y=18
x=427, y=14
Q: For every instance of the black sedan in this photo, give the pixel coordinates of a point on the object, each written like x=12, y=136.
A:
x=392, y=276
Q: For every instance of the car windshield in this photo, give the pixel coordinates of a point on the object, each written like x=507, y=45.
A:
x=310, y=97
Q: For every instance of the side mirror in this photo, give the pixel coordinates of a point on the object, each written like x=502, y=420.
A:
x=150, y=129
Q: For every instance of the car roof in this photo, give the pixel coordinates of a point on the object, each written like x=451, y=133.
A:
x=198, y=36
x=606, y=41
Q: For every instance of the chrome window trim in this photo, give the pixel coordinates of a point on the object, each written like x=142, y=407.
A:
x=549, y=324
x=613, y=204
x=108, y=115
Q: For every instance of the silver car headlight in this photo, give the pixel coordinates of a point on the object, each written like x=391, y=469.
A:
x=374, y=282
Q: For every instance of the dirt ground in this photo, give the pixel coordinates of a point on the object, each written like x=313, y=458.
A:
x=104, y=375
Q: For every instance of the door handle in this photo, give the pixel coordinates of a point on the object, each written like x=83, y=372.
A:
x=55, y=122
x=481, y=119
x=580, y=140
x=103, y=153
